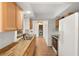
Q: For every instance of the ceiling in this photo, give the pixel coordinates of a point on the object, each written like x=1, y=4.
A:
x=48, y=10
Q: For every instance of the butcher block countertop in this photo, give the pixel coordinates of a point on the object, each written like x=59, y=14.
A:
x=19, y=49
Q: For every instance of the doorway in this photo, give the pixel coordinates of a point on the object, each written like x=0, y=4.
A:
x=41, y=30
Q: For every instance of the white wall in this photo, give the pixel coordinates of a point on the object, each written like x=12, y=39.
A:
x=45, y=31
x=7, y=38
x=26, y=24
x=35, y=28
x=51, y=30
x=26, y=20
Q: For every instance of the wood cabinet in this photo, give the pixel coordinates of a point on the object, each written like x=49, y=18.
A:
x=30, y=23
x=8, y=16
x=57, y=23
x=19, y=18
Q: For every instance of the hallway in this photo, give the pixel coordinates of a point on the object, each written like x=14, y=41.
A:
x=42, y=49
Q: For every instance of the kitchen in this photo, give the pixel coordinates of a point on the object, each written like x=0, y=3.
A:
x=19, y=28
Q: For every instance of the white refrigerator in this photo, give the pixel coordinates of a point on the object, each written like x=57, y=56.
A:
x=68, y=36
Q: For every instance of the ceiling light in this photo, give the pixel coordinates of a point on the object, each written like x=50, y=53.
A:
x=28, y=12
x=40, y=23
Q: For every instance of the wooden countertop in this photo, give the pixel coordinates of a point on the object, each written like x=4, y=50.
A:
x=19, y=48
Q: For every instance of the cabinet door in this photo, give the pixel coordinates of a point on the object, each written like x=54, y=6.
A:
x=9, y=16
x=30, y=23
x=57, y=24
x=19, y=18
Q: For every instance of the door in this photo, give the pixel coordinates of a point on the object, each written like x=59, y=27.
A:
x=40, y=30
x=67, y=40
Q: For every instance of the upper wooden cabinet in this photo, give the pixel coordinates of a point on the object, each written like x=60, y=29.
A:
x=30, y=23
x=10, y=17
x=19, y=18
x=57, y=24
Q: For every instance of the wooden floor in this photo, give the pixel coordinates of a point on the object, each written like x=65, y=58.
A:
x=42, y=49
